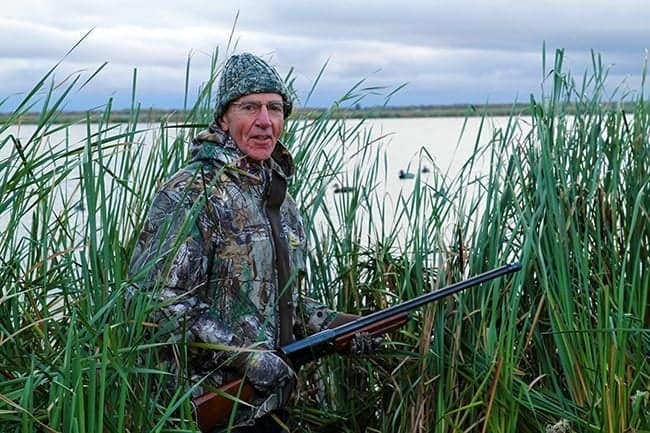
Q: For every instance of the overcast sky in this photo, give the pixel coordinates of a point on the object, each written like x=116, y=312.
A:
x=445, y=52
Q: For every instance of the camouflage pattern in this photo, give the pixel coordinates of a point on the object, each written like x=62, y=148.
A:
x=207, y=254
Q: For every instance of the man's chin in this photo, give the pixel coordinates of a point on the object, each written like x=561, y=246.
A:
x=260, y=154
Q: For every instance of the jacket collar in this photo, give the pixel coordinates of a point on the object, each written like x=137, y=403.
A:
x=215, y=145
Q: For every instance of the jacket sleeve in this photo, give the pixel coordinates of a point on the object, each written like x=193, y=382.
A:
x=170, y=266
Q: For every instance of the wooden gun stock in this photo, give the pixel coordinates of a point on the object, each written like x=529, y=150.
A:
x=211, y=408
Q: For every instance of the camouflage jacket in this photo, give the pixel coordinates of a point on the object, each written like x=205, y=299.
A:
x=206, y=253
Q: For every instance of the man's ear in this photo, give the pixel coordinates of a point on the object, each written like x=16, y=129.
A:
x=223, y=123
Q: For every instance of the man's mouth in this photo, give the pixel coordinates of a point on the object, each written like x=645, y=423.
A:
x=262, y=137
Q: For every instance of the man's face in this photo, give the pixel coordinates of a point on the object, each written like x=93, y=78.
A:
x=255, y=122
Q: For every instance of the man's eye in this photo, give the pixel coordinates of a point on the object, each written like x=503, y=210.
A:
x=276, y=107
x=248, y=107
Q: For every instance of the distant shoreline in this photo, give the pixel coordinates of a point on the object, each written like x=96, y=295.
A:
x=177, y=116
x=453, y=110
x=180, y=116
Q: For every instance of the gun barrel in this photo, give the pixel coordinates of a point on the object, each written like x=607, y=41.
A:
x=322, y=342
x=427, y=298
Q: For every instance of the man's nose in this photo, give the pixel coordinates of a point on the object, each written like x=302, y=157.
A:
x=263, y=119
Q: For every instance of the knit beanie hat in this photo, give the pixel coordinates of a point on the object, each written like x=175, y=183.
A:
x=244, y=74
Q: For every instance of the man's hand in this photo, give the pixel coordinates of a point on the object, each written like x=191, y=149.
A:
x=268, y=373
x=364, y=344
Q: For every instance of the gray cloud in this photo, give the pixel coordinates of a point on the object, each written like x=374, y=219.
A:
x=446, y=52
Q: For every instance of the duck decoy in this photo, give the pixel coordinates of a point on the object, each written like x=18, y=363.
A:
x=338, y=189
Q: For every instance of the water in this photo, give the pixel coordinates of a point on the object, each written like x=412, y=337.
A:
x=440, y=136
x=404, y=141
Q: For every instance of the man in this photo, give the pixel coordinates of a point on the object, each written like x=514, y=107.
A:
x=223, y=248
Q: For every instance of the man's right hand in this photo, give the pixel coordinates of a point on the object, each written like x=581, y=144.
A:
x=268, y=372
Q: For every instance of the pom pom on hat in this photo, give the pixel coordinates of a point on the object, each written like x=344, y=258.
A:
x=244, y=74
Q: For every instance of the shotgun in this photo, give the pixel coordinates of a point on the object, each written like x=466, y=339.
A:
x=213, y=408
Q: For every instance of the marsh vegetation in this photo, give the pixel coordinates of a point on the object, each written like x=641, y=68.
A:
x=561, y=346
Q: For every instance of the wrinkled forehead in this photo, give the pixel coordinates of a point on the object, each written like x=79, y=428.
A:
x=260, y=97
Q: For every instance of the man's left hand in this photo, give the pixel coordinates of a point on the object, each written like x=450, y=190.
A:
x=363, y=343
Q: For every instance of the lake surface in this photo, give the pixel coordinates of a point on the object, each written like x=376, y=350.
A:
x=440, y=136
x=403, y=143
